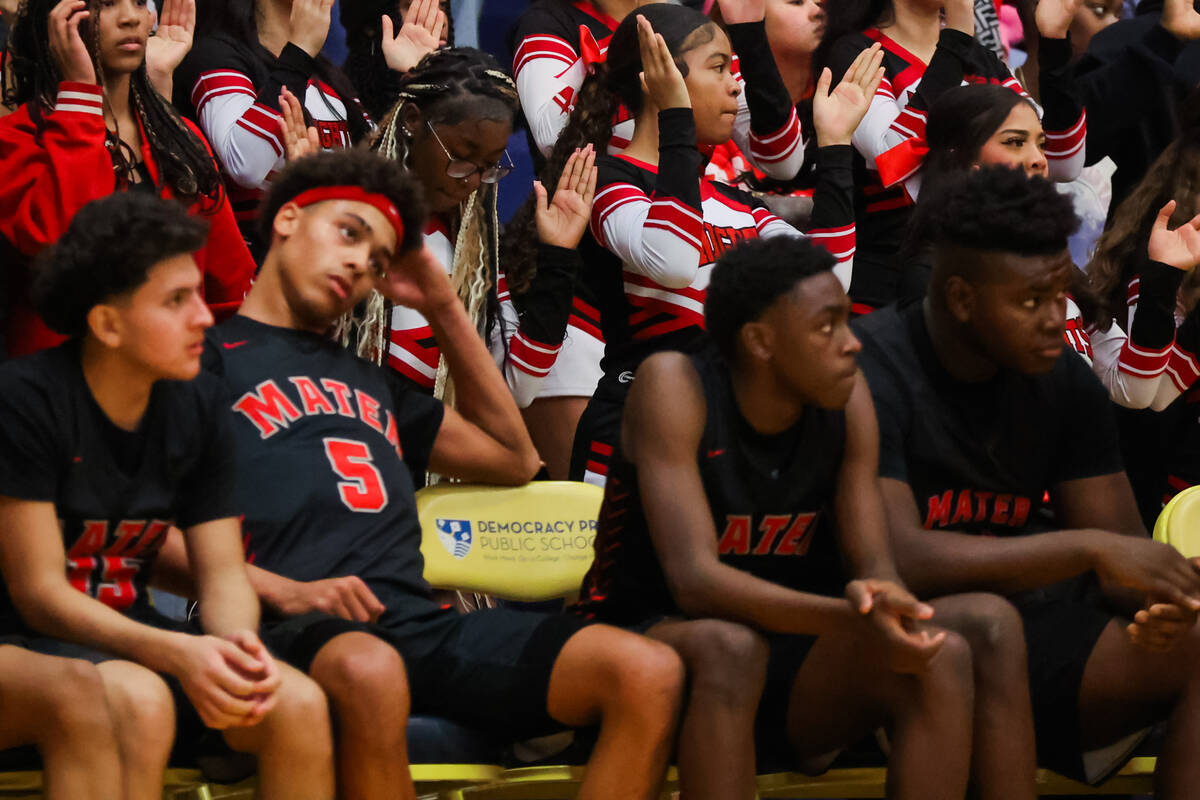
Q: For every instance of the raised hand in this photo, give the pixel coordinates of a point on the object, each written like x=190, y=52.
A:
x=70, y=54
x=837, y=114
x=309, y=24
x=1179, y=248
x=422, y=32
x=562, y=221
x=170, y=43
x=661, y=79
x=893, y=614
x=735, y=11
x=1179, y=17
x=299, y=139
x=960, y=15
x=1054, y=17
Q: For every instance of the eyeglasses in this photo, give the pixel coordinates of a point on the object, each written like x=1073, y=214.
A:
x=461, y=169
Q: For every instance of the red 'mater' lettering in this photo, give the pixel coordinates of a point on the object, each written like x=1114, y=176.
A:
x=736, y=538
x=313, y=399
x=268, y=408
x=939, y=510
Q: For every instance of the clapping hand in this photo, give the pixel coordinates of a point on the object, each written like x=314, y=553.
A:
x=172, y=40
x=1179, y=248
x=661, y=79
x=562, y=220
x=299, y=138
x=423, y=31
x=837, y=114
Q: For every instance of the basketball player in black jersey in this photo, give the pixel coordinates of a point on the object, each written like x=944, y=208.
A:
x=983, y=418
x=105, y=442
x=751, y=497
x=329, y=449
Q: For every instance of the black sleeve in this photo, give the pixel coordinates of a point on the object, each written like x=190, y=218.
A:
x=542, y=19
x=1088, y=444
x=766, y=95
x=292, y=69
x=1061, y=103
x=546, y=305
x=418, y=420
x=679, y=159
x=30, y=439
x=1154, y=319
x=1119, y=93
x=891, y=411
x=945, y=70
x=833, y=197
x=208, y=491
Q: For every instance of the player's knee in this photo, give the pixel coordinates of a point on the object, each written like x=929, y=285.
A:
x=726, y=657
x=950, y=671
x=368, y=673
x=648, y=675
x=75, y=707
x=142, y=706
x=993, y=627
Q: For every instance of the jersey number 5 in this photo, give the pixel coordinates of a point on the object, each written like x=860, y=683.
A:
x=362, y=488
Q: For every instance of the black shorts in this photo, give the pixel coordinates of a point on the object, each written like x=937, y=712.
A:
x=786, y=653
x=489, y=669
x=599, y=429
x=192, y=737
x=1063, y=622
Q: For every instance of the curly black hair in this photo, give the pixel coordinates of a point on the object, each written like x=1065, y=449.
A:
x=996, y=209
x=748, y=278
x=107, y=251
x=362, y=168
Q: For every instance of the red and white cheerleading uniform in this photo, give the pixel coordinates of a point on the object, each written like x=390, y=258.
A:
x=526, y=338
x=1156, y=361
x=890, y=139
x=49, y=176
x=555, y=41
x=232, y=90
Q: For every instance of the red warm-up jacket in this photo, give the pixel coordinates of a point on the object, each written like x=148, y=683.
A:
x=47, y=177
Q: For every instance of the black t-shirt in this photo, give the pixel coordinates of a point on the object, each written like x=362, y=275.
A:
x=771, y=499
x=981, y=457
x=327, y=446
x=115, y=491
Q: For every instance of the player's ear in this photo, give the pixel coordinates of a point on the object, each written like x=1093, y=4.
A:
x=105, y=324
x=758, y=340
x=287, y=220
x=960, y=298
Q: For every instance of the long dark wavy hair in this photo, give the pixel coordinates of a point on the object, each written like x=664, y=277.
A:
x=237, y=19
x=31, y=77
x=615, y=82
x=1175, y=175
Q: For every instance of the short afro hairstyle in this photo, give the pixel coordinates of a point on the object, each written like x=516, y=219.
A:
x=363, y=168
x=108, y=251
x=750, y=277
x=996, y=209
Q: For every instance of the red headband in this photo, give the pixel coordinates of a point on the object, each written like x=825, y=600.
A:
x=359, y=195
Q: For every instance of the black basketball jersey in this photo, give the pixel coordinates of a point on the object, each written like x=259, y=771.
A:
x=981, y=457
x=327, y=445
x=115, y=492
x=771, y=499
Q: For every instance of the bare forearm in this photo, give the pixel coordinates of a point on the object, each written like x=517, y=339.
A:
x=480, y=392
x=61, y=611
x=725, y=592
x=228, y=606
x=940, y=562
